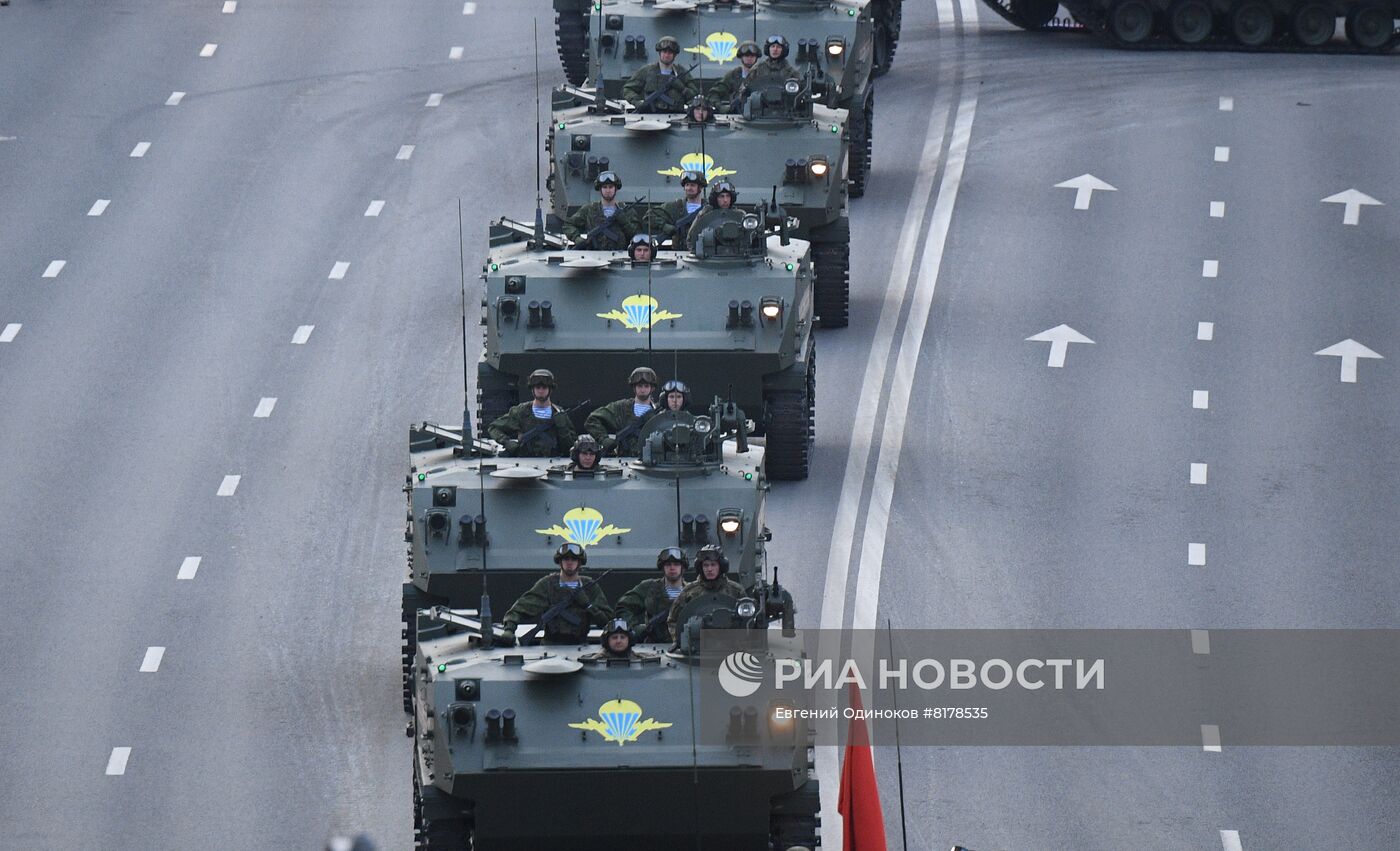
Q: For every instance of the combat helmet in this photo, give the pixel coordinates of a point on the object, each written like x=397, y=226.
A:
x=712, y=552
x=567, y=550
x=541, y=376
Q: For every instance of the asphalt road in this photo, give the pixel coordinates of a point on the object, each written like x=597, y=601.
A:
x=1019, y=495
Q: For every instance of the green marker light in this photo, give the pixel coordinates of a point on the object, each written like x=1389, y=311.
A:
x=495, y=267
x=789, y=267
x=561, y=125
x=835, y=128
x=748, y=477
x=442, y=667
x=422, y=476
x=851, y=12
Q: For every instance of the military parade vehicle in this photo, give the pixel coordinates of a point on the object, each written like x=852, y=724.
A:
x=479, y=522
x=619, y=32
x=784, y=148
x=732, y=319
x=566, y=748
x=1269, y=25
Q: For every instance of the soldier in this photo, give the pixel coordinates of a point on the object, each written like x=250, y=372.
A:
x=617, y=644
x=679, y=214
x=642, y=249
x=649, y=603
x=711, y=565
x=603, y=225
x=723, y=195
x=565, y=603
x=663, y=85
x=617, y=425
x=775, y=69
x=583, y=458
x=535, y=429
x=699, y=111
x=730, y=89
x=676, y=395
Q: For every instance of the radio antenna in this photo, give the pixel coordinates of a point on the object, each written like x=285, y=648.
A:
x=466, y=390
x=898, y=756
x=651, y=304
x=704, y=165
x=755, y=23
x=539, y=144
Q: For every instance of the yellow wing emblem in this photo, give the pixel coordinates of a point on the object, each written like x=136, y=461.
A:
x=621, y=722
x=583, y=526
x=718, y=47
x=639, y=312
x=696, y=161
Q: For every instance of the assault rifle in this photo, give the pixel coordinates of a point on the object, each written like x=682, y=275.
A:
x=560, y=610
x=532, y=433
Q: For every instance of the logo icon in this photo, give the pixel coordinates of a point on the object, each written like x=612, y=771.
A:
x=718, y=47
x=622, y=722
x=695, y=161
x=740, y=674
x=583, y=526
x=639, y=312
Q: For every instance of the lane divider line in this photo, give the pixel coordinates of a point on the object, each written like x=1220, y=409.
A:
x=116, y=763
x=140, y=149
x=265, y=406
x=339, y=269
x=189, y=567
x=207, y=50
x=1200, y=642
x=1205, y=331
x=374, y=208
x=10, y=332
x=99, y=207
x=175, y=98
x=1210, y=738
x=1200, y=399
x=302, y=334
x=405, y=152
x=229, y=485
x=54, y=267
x=1198, y=473
x=151, y=664
x=1196, y=555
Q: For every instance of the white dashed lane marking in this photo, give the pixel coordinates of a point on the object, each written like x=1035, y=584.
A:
x=1200, y=399
x=265, y=406
x=140, y=149
x=1227, y=104
x=54, y=268
x=338, y=270
x=189, y=567
x=1222, y=153
x=10, y=332
x=1205, y=331
x=468, y=8
x=230, y=6
x=374, y=208
x=151, y=663
x=434, y=99
x=99, y=207
x=116, y=763
x=1198, y=473
x=1230, y=840
x=1196, y=555
x=229, y=485
x=1200, y=642
x=1217, y=209
x=175, y=98
x=405, y=152
x=302, y=335
x=1210, y=268
x=455, y=53
x=1210, y=738
x=207, y=50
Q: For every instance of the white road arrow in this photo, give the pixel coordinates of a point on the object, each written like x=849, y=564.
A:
x=1353, y=199
x=1084, y=186
x=1059, y=339
x=1349, y=350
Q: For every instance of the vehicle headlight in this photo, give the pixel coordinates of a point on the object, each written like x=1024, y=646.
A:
x=746, y=608
x=792, y=87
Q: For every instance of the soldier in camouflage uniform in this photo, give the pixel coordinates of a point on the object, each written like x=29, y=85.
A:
x=711, y=565
x=775, y=69
x=678, y=215
x=583, y=602
x=583, y=458
x=649, y=604
x=662, y=86
x=549, y=430
x=726, y=92
x=603, y=225
x=617, y=425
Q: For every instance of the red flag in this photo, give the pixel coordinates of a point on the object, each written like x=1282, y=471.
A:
x=862, y=820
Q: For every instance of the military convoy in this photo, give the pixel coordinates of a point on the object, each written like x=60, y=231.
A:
x=1282, y=25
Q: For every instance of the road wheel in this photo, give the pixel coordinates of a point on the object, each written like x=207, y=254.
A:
x=495, y=394
x=439, y=822
x=571, y=34
x=1130, y=21
x=791, y=416
x=1312, y=24
x=831, y=268
x=1252, y=23
x=887, y=23
x=1034, y=14
x=1371, y=27
x=1190, y=21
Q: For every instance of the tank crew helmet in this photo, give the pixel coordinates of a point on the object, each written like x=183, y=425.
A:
x=574, y=551
x=693, y=177
x=668, y=42
x=606, y=178
x=585, y=443
x=697, y=103
x=669, y=554
x=639, y=240
x=541, y=377
x=712, y=552
x=642, y=374
x=618, y=626
x=750, y=48
x=720, y=188
x=776, y=39
x=674, y=386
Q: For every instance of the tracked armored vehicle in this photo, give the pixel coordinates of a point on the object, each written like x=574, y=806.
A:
x=783, y=148
x=626, y=29
x=732, y=318
x=478, y=522
x=566, y=749
x=1267, y=25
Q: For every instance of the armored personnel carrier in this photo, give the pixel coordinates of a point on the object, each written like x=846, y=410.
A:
x=1282, y=25
x=567, y=749
x=625, y=29
x=478, y=522
x=783, y=149
x=732, y=319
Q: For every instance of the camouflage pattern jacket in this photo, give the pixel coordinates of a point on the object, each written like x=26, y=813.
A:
x=677, y=221
x=590, y=216
x=724, y=94
x=723, y=585
x=552, y=442
x=544, y=594
x=649, y=80
x=642, y=605
x=606, y=422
